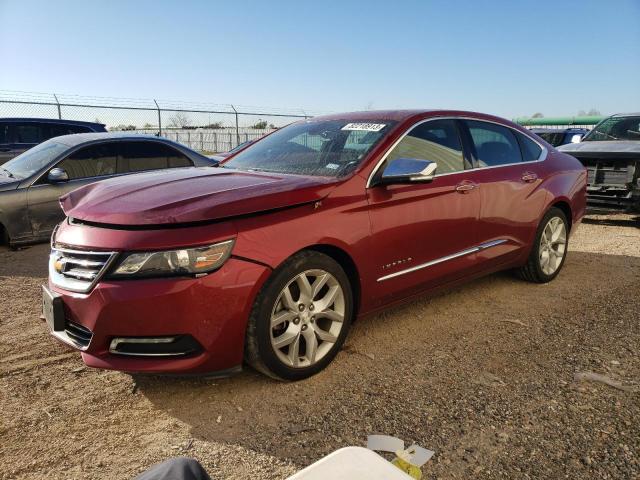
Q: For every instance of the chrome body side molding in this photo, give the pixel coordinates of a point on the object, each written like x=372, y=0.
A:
x=468, y=251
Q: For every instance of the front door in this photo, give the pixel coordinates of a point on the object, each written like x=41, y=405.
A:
x=84, y=166
x=425, y=234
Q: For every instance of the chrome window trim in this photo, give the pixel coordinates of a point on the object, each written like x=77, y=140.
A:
x=462, y=253
x=541, y=158
x=59, y=282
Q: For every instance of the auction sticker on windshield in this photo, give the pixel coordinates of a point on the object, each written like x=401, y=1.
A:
x=365, y=127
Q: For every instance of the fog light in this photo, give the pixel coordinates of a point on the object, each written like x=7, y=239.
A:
x=154, y=346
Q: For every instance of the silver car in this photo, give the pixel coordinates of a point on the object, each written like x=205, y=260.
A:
x=31, y=183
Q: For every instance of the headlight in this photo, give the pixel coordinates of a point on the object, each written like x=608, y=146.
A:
x=187, y=261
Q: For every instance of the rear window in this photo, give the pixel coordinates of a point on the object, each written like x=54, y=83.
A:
x=554, y=138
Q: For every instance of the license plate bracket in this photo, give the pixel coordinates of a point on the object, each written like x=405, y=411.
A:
x=53, y=309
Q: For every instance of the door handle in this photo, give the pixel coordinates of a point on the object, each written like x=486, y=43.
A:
x=529, y=177
x=465, y=186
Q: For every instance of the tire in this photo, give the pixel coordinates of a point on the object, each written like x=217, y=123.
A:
x=310, y=321
x=536, y=270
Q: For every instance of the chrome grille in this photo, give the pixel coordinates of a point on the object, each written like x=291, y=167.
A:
x=77, y=270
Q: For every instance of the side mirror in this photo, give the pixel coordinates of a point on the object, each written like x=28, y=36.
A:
x=577, y=138
x=57, y=175
x=408, y=170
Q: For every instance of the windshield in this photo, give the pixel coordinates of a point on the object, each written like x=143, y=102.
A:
x=34, y=159
x=330, y=148
x=615, y=128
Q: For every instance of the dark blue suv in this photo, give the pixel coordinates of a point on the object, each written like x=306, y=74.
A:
x=20, y=134
x=560, y=136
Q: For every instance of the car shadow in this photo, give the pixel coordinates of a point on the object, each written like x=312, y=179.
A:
x=620, y=220
x=417, y=371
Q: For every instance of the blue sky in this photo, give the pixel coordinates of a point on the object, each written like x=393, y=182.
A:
x=509, y=58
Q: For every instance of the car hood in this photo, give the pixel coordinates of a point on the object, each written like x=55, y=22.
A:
x=613, y=146
x=190, y=195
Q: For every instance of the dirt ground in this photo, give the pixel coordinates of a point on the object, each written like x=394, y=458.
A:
x=487, y=375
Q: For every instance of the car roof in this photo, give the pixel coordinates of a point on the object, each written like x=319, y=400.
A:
x=79, y=138
x=404, y=115
x=50, y=120
x=626, y=114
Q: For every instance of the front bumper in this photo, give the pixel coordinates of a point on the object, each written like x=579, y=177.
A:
x=212, y=310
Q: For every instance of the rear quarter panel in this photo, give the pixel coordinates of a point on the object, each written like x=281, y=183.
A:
x=566, y=182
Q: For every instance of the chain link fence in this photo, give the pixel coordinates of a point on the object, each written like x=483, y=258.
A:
x=202, y=126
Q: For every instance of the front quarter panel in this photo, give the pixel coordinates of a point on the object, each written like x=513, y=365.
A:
x=340, y=220
x=13, y=214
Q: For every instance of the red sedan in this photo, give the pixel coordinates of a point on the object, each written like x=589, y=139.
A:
x=270, y=257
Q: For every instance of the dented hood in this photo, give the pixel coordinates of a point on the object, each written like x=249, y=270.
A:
x=190, y=195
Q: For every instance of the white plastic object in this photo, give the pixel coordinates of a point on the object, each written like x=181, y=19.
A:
x=351, y=463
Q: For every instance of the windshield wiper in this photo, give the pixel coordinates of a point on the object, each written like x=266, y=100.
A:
x=9, y=174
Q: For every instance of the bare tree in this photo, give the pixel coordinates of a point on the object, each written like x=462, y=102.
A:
x=179, y=120
x=591, y=113
x=537, y=115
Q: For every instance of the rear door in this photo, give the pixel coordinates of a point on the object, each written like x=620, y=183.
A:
x=509, y=171
x=86, y=165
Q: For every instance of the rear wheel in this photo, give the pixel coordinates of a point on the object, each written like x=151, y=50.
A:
x=549, y=249
x=300, y=318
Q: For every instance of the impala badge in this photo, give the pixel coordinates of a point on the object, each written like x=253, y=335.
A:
x=402, y=261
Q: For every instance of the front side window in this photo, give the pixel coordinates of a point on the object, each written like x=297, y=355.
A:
x=92, y=161
x=145, y=155
x=615, y=128
x=437, y=141
x=494, y=144
x=331, y=148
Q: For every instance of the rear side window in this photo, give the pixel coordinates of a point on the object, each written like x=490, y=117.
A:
x=56, y=130
x=437, y=141
x=530, y=150
x=494, y=144
x=92, y=161
x=4, y=133
x=30, y=133
x=141, y=156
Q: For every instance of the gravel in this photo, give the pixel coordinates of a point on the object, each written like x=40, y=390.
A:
x=503, y=379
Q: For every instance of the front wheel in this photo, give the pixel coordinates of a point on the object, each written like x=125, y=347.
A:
x=549, y=248
x=300, y=318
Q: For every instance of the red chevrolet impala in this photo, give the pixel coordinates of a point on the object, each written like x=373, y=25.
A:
x=270, y=257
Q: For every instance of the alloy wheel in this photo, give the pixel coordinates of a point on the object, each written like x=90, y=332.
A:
x=307, y=318
x=553, y=244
